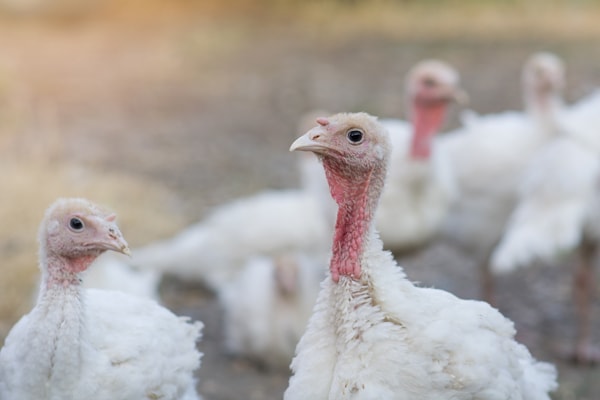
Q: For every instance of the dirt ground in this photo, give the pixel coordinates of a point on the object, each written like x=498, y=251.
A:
x=205, y=107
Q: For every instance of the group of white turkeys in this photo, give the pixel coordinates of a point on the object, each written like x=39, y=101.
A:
x=509, y=189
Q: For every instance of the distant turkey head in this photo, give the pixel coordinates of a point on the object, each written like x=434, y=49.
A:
x=543, y=81
x=73, y=233
x=354, y=149
x=431, y=86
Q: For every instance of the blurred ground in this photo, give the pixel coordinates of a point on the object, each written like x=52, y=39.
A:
x=162, y=109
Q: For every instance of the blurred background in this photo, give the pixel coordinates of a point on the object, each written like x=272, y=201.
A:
x=163, y=109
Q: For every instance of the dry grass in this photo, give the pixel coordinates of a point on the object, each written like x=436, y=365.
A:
x=328, y=19
x=480, y=20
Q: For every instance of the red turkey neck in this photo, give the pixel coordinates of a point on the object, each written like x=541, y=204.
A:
x=427, y=119
x=357, y=196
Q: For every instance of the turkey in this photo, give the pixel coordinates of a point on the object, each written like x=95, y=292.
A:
x=487, y=157
x=267, y=305
x=270, y=223
x=558, y=211
x=375, y=335
x=81, y=343
x=419, y=189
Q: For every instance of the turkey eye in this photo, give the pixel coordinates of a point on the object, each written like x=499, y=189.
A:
x=355, y=136
x=429, y=83
x=76, y=224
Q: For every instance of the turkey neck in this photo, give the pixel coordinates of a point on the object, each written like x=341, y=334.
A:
x=59, y=316
x=427, y=119
x=357, y=197
x=545, y=105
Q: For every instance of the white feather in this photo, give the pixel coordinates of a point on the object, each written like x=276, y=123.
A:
x=384, y=338
x=110, y=345
x=266, y=307
x=112, y=271
x=558, y=199
x=214, y=250
x=417, y=194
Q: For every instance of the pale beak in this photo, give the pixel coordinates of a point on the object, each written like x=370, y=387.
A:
x=460, y=97
x=309, y=142
x=303, y=143
x=116, y=242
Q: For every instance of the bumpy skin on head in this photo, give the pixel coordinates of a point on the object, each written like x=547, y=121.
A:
x=72, y=234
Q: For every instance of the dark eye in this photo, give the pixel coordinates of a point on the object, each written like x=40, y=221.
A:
x=355, y=136
x=76, y=224
x=429, y=82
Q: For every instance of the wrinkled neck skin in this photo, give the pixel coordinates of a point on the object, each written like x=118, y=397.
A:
x=427, y=119
x=61, y=272
x=357, y=200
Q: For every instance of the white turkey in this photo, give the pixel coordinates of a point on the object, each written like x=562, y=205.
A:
x=267, y=305
x=418, y=189
x=269, y=223
x=487, y=157
x=375, y=335
x=214, y=250
x=558, y=211
x=81, y=343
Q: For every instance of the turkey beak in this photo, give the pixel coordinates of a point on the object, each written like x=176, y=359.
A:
x=310, y=142
x=460, y=97
x=115, y=241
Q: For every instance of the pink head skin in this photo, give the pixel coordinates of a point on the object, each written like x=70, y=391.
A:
x=431, y=86
x=72, y=234
x=354, y=149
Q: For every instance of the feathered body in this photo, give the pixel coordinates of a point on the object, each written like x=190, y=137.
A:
x=266, y=307
x=384, y=338
x=558, y=212
x=486, y=159
x=558, y=192
x=213, y=251
x=557, y=205
x=375, y=335
x=81, y=343
x=418, y=193
x=99, y=344
x=488, y=156
x=113, y=272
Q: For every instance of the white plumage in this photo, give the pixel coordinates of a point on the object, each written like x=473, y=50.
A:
x=213, y=251
x=488, y=155
x=557, y=202
x=113, y=271
x=373, y=334
x=558, y=211
x=90, y=344
x=266, y=307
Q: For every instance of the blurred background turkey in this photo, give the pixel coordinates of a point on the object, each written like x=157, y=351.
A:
x=170, y=111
